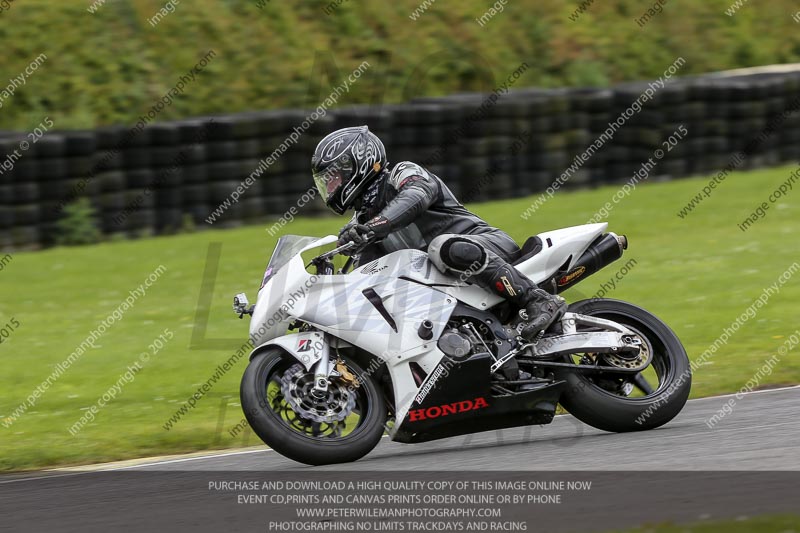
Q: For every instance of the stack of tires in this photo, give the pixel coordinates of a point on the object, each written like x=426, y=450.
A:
x=245, y=133
x=435, y=133
x=746, y=105
x=551, y=138
x=565, y=138
x=407, y=142
x=272, y=187
x=294, y=180
x=790, y=132
x=769, y=90
x=467, y=148
x=713, y=132
x=6, y=196
x=56, y=173
x=470, y=147
x=464, y=138
x=137, y=216
x=508, y=135
x=226, y=170
x=20, y=187
x=637, y=137
x=590, y=118
x=190, y=169
x=118, y=150
x=164, y=146
x=80, y=148
x=676, y=131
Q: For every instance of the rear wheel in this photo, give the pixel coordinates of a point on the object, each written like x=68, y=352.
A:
x=629, y=402
x=341, y=425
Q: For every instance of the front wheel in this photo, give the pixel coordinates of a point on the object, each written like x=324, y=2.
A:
x=341, y=425
x=629, y=402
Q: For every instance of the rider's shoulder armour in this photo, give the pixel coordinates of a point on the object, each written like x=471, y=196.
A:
x=406, y=172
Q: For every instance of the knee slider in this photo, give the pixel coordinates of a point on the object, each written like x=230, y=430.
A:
x=461, y=254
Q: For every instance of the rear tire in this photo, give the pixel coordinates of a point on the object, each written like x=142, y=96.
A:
x=608, y=411
x=276, y=431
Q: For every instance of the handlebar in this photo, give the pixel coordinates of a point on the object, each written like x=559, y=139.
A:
x=325, y=265
x=336, y=251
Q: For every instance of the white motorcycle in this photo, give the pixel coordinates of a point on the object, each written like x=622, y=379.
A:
x=397, y=346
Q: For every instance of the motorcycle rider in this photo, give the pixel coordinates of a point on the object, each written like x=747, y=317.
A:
x=405, y=206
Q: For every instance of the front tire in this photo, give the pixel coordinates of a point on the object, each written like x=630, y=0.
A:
x=298, y=437
x=596, y=400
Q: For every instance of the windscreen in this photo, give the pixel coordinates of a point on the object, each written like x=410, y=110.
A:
x=288, y=246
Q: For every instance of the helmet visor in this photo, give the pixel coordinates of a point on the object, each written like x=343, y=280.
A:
x=331, y=179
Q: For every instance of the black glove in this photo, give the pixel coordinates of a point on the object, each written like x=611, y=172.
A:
x=342, y=232
x=364, y=234
x=360, y=234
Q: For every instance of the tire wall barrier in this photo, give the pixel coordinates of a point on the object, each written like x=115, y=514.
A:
x=152, y=180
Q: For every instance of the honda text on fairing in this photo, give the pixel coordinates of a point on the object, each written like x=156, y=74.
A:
x=398, y=346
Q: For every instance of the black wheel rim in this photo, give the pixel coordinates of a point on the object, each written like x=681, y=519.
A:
x=275, y=405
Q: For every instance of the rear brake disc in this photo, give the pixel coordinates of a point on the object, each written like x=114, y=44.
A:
x=638, y=362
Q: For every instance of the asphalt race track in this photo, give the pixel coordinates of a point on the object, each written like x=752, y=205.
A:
x=682, y=472
x=761, y=433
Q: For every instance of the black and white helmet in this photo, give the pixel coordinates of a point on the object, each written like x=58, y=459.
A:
x=344, y=163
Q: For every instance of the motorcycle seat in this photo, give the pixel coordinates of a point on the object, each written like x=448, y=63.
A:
x=531, y=247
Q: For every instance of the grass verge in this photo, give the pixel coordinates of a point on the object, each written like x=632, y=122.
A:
x=698, y=274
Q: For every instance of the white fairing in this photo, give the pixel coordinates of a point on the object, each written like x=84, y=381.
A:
x=560, y=246
x=307, y=347
x=336, y=304
x=408, y=287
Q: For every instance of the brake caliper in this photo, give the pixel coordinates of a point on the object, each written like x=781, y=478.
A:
x=345, y=375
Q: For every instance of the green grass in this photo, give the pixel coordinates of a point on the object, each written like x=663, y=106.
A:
x=112, y=66
x=758, y=524
x=697, y=274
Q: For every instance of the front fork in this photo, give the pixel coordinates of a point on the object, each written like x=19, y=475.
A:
x=323, y=368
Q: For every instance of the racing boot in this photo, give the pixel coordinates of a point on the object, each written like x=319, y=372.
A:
x=542, y=310
x=538, y=308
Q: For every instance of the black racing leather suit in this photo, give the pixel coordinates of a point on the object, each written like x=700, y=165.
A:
x=418, y=206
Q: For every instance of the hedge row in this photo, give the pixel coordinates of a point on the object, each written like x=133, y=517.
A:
x=154, y=179
x=111, y=65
